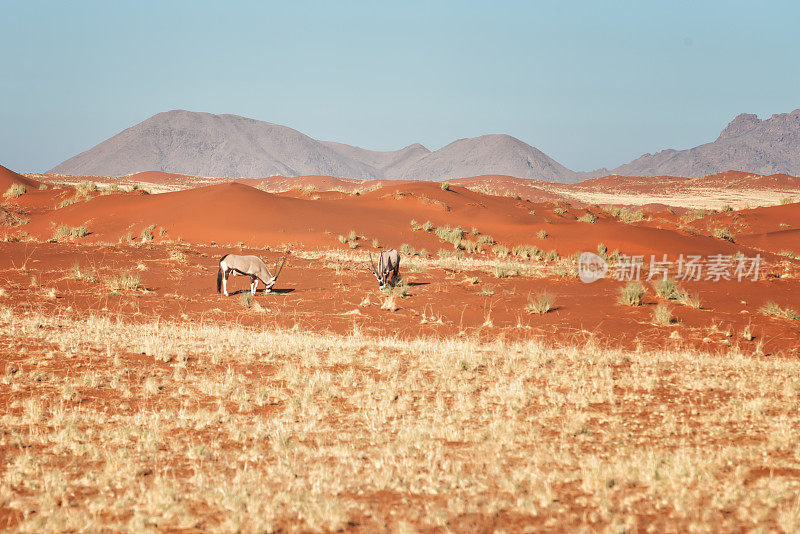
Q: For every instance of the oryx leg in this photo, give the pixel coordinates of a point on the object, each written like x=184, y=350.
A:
x=225, y=276
x=253, y=284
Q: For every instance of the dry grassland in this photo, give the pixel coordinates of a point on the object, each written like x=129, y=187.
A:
x=112, y=425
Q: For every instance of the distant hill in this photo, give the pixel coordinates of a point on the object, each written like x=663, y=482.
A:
x=203, y=144
x=770, y=146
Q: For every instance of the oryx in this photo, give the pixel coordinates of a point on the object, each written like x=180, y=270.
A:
x=388, y=267
x=252, y=266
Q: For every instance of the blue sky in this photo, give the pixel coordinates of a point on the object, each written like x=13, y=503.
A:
x=591, y=84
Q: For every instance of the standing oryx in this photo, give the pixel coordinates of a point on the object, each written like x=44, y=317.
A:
x=252, y=266
x=388, y=267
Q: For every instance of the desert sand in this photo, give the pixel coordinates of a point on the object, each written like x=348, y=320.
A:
x=109, y=312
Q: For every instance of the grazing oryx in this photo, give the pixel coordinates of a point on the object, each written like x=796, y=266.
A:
x=252, y=266
x=388, y=267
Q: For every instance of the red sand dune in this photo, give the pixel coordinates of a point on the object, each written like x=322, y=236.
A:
x=230, y=213
x=9, y=178
x=534, y=190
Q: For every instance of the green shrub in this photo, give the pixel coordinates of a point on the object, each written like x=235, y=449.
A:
x=445, y=186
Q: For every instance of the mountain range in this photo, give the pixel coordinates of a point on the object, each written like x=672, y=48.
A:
x=204, y=144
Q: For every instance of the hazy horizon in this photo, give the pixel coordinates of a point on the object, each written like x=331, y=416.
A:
x=590, y=85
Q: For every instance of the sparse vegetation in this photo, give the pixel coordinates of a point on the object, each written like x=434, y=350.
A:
x=69, y=232
x=246, y=300
x=626, y=215
x=588, y=217
x=126, y=281
x=85, y=187
x=78, y=273
x=406, y=249
x=726, y=208
x=15, y=191
x=427, y=226
x=351, y=239
x=147, y=234
x=67, y=202
x=527, y=251
x=774, y=310
x=445, y=186
x=689, y=299
x=723, y=233
x=451, y=235
x=632, y=294
x=506, y=270
x=662, y=314
x=666, y=289
x=501, y=251
x=171, y=397
x=787, y=200
x=540, y=304
x=541, y=234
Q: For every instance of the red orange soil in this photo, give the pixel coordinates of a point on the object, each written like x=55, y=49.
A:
x=326, y=292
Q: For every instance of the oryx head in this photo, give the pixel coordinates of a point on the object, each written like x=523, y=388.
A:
x=270, y=281
x=382, y=274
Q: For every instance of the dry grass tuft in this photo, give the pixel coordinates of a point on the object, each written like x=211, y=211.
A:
x=126, y=281
x=15, y=191
x=69, y=232
x=632, y=294
x=541, y=304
